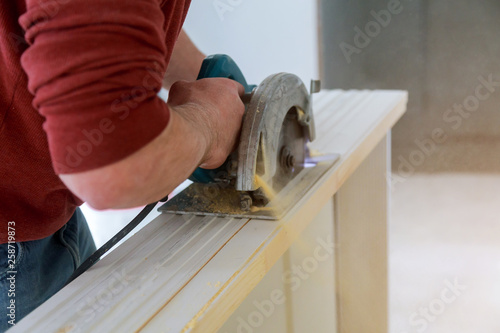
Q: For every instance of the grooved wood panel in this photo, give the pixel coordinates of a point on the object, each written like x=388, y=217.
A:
x=189, y=273
x=288, y=297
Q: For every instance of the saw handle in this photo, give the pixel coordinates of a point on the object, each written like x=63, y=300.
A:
x=222, y=65
x=218, y=65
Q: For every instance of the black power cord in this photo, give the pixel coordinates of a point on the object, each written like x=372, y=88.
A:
x=94, y=257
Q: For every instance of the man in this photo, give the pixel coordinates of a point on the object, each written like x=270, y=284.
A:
x=80, y=120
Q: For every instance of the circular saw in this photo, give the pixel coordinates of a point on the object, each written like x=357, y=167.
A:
x=259, y=176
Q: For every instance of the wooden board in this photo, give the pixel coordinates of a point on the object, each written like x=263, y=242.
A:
x=361, y=236
x=188, y=274
x=298, y=293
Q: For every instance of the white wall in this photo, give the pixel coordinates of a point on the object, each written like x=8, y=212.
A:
x=263, y=36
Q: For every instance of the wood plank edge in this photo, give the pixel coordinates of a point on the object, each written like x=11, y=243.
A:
x=209, y=318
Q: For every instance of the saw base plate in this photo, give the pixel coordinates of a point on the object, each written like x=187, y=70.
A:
x=213, y=200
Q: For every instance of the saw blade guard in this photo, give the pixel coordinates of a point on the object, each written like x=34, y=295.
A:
x=259, y=146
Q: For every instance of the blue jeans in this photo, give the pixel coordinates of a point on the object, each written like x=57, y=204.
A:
x=42, y=268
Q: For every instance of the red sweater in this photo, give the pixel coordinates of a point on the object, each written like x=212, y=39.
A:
x=78, y=84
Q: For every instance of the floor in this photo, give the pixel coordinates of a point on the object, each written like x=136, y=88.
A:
x=445, y=254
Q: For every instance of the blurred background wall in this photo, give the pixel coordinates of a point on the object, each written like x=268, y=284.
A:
x=263, y=36
x=444, y=52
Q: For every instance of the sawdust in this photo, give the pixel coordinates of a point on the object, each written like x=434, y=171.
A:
x=224, y=200
x=207, y=198
x=260, y=209
x=214, y=285
x=314, y=153
x=268, y=191
x=214, y=199
x=66, y=329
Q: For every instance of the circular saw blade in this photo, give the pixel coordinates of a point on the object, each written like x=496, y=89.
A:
x=278, y=116
x=291, y=151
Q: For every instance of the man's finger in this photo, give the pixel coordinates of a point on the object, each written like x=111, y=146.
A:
x=241, y=89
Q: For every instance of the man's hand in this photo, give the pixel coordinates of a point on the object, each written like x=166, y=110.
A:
x=215, y=110
x=204, y=126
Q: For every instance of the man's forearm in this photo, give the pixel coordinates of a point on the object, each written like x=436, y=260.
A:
x=185, y=62
x=147, y=175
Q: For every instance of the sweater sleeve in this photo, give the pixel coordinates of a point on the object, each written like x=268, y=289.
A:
x=94, y=68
